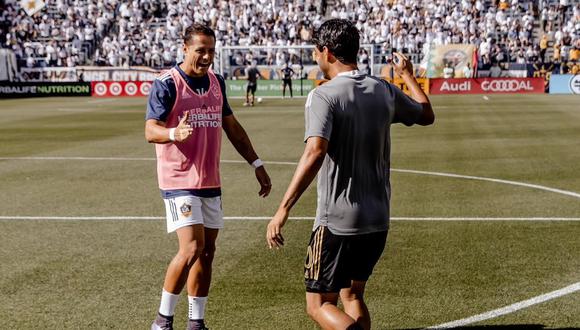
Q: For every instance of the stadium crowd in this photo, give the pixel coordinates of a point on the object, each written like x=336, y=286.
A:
x=145, y=32
x=65, y=34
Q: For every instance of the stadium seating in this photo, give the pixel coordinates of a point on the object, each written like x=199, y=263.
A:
x=144, y=32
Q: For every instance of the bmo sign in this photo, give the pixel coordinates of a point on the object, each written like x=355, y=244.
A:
x=565, y=84
x=487, y=86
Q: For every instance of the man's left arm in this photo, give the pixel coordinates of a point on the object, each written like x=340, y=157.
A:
x=240, y=140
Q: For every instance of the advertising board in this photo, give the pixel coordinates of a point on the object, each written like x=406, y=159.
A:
x=120, y=88
x=565, y=84
x=487, y=86
x=43, y=89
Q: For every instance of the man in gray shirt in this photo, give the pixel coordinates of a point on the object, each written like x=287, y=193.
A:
x=348, y=139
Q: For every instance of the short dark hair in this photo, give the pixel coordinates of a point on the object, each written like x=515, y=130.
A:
x=197, y=28
x=341, y=38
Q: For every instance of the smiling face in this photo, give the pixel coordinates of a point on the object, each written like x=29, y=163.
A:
x=199, y=52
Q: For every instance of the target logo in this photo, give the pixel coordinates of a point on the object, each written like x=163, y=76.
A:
x=131, y=88
x=575, y=84
x=121, y=88
x=145, y=88
x=116, y=89
x=100, y=89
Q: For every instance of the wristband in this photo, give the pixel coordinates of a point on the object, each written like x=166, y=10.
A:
x=257, y=163
x=172, y=134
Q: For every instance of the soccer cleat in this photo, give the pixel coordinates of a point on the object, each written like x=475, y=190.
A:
x=196, y=325
x=246, y=104
x=162, y=323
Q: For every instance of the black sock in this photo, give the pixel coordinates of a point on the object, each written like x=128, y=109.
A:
x=196, y=324
x=354, y=326
x=165, y=316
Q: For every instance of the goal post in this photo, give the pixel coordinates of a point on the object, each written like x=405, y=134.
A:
x=231, y=61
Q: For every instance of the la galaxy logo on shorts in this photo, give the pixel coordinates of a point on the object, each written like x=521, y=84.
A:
x=185, y=210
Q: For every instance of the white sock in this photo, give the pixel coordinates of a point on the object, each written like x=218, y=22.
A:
x=168, y=303
x=196, y=307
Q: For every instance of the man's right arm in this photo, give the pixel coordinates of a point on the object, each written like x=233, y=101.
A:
x=404, y=68
x=160, y=102
x=156, y=132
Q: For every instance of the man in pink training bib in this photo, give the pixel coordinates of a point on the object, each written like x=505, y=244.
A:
x=186, y=111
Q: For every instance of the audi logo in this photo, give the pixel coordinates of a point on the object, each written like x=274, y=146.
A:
x=506, y=85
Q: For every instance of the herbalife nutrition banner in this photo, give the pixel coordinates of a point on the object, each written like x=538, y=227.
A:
x=268, y=87
x=12, y=90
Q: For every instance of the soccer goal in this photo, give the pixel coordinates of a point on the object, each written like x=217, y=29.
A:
x=231, y=61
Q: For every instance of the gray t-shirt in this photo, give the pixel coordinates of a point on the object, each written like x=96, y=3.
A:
x=354, y=113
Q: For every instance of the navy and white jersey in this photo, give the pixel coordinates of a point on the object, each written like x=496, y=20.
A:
x=160, y=103
x=163, y=94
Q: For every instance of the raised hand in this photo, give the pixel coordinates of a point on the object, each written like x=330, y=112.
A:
x=183, y=130
x=402, y=65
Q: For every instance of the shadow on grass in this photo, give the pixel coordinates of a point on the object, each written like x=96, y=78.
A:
x=502, y=327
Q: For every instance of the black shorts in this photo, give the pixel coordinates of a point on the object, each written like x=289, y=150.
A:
x=333, y=261
x=251, y=88
x=287, y=82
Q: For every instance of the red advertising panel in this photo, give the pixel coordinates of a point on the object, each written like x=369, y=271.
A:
x=487, y=86
x=120, y=88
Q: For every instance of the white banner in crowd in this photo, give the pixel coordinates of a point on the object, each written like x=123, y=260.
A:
x=96, y=73
x=31, y=7
x=87, y=73
x=56, y=74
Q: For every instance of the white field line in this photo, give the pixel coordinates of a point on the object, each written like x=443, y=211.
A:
x=458, y=323
x=511, y=308
x=514, y=183
x=269, y=97
x=80, y=158
x=103, y=100
x=449, y=175
x=121, y=217
x=75, y=110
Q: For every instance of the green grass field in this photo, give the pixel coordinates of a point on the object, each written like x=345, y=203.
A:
x=84, y=157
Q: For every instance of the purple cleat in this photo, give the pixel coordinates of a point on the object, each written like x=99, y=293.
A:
x=162, y=322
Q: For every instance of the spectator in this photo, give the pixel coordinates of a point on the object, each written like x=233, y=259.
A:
x=500, y=29
x=495, y=71
x=467, y=71
x=448, y=71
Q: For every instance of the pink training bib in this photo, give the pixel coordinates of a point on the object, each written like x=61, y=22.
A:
x=194, y=163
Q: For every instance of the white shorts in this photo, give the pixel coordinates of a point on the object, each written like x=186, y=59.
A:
x=192, y=210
